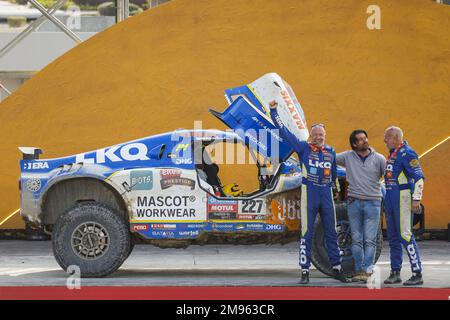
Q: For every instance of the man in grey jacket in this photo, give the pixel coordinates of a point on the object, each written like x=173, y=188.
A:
x=364, y=168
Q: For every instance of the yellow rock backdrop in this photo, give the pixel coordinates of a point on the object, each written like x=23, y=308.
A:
x=164, y=68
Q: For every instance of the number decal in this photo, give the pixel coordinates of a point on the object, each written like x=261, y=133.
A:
x=252, y=206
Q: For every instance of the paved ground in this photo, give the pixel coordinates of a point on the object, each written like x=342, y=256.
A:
x=24, y=263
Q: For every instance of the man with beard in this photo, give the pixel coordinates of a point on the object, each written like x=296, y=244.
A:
x=318, y=162
x=364, y=168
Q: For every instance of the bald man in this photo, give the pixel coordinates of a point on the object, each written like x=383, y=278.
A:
x=319, y=174
x=404, y=178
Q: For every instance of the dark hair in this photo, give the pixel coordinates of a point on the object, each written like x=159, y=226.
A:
x=352, y=138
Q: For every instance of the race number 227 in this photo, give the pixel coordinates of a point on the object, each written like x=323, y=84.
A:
x=252, y=206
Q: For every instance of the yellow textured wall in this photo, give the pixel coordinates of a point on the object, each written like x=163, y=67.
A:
x=164, y=68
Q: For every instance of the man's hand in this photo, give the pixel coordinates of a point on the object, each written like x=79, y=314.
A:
x=335, y=194
x=273, y=104
x=416, y=206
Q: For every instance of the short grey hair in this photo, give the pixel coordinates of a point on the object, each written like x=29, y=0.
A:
x=396, y=131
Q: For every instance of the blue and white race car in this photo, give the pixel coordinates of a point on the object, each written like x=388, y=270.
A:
x=166, y=190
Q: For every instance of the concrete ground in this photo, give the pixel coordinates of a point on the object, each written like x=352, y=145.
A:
x=24, y=263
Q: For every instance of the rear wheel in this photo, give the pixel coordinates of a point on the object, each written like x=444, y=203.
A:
x=319, y=256
x=93, y=237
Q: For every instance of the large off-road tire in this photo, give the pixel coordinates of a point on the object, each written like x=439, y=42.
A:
x=130, y=249
x=319, y=257
x=93, y=237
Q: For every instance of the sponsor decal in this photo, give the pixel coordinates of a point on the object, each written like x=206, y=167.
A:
x=252, y=206
x=33, y=185
x=274, y=227
x=165, y=234
x=388, y=171
x=221, y=209
x=171, y=177
x=183, y=161
x=413, y=257
x=222, y=226
x=246, y=216
x=319, y=164
x=303, y=251
x=263, y=126
x=128, y=152
x=292, y=109
x=326, y=172
x=141, y=180
x=312, y=170
x=240, y=226
x=255, y=226
x=195, y=225
x=140, y=227
x=165, y=207
x=35, y=165
x=162, y=226
x=188, y=233
x=414, y=163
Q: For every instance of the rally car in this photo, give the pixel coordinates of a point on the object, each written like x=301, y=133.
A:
x=166, y=189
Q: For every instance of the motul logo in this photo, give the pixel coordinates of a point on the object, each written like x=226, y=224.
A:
x=318, y=164
x=128, y=152
x=222, y=207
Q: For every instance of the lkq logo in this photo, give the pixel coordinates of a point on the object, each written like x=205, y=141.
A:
x=128, y=152
x=319, y=164
x=302, y=251
x=413, y=256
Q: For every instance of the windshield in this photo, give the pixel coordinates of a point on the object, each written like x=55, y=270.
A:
x=229, y=159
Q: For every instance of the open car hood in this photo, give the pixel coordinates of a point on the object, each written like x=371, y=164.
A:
x=248, y=115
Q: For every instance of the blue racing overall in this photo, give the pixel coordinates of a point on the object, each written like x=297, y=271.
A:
x=319, y=174
x=404, y=178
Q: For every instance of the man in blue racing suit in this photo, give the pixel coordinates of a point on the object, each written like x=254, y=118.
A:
x=319, y=174
x=404, y=178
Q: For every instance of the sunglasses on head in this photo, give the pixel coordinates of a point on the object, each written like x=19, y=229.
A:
x=318, y=125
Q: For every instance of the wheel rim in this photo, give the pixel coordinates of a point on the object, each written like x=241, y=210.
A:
x=344, y=240
x=90, y=240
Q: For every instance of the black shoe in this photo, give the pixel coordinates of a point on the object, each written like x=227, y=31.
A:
x=393, y=278
x=415, y=280
x=340, y=275
x=305, y=277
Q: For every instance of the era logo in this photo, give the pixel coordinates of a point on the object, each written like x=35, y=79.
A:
x=35, y=165
x=374, y=20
